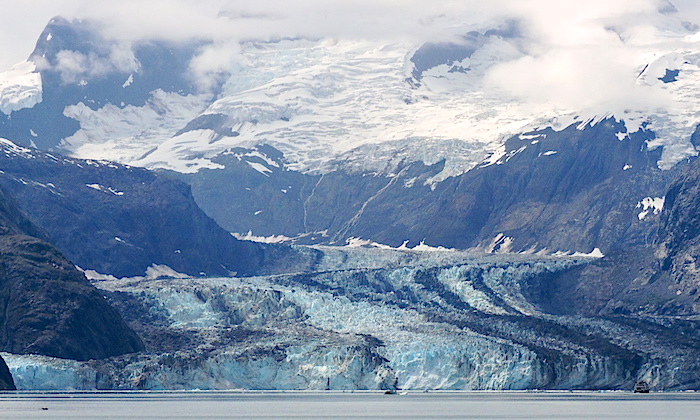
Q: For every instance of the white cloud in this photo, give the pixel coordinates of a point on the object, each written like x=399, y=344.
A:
x=74, y=66
x=574, y=51
x=212, y=62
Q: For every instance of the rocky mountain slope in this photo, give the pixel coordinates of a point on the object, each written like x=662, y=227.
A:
x=6, y=381
x=123, y=221
x=275, y=145
x=49, y=307
x=585, y=187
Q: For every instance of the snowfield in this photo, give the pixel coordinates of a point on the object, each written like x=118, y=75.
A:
x=20, y=87
x=334, y=102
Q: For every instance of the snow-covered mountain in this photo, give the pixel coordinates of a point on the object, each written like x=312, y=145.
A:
x=374, y=144
x=313, y=115
x=316, y=99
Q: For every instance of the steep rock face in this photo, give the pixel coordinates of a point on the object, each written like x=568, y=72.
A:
x=6, y=381
x=573, y=190
x=48, y=306
x=121, y=220
x=678, y=243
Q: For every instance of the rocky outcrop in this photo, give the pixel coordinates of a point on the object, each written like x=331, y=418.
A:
x=48, y=306
x=121, y=220
x=678, y=242
x=6, y=381
x=570, y=190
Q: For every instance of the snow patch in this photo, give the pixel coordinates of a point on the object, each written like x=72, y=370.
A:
x=101, y=188
x=260, y=168
x=20, y=87
x=650, y=204
x=273, y=239
x=596, y=253
x=128, y=81
x=126, y=134
x=94, y=275
x=156, y=271
x=501, y=244
x=421, y=247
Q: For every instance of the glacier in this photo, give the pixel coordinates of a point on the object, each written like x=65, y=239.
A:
x=328, y=103
x=367, y=318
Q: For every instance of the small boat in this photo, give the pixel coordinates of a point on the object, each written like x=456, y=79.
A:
x=641, y=387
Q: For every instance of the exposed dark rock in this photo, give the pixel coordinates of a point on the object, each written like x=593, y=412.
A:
x=48, y=306
x=6, y=381
x=571, y=190
x=678, y=242
x=45, y=125
x=120, y=220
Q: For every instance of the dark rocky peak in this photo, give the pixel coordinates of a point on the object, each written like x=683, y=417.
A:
x=79, y=65
x=433, y=54
x=102, y=70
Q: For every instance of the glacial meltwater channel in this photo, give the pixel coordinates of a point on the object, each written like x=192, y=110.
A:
x=348, y=405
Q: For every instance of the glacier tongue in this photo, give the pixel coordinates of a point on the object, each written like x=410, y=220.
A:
x=427, y=320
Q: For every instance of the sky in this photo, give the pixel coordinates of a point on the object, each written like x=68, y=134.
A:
x=596, y=45
x=559, y=21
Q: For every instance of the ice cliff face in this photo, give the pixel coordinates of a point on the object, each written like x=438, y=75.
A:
x=437, y=320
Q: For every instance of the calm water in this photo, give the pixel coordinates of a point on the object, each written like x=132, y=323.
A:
x=355, y=405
